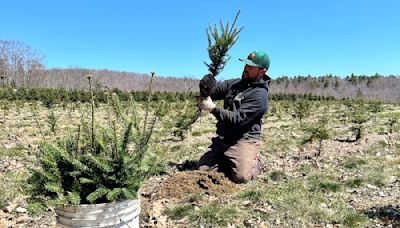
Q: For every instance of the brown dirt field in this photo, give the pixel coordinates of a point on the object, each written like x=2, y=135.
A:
x=181, y=184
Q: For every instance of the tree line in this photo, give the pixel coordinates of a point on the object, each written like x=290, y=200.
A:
x=22, y=67
x=375, y=87
x=50, y=97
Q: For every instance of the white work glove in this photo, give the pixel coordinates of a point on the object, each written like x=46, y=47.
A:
x=205, y=104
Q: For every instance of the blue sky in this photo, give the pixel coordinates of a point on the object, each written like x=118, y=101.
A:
x=302, y=37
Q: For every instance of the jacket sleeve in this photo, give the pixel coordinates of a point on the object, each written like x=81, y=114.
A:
x=251, y=110
x=222, y=88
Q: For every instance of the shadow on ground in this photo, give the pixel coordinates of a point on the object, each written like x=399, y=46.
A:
x=185, y=166
x=388, y=215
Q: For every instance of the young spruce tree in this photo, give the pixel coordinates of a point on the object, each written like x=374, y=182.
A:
x=97, y=164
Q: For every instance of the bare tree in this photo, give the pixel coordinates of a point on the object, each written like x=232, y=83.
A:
x=72, y=78
x=375, y=87
x=19, y=63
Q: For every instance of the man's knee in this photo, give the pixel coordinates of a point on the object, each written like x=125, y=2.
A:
x=240, y=178
x=207, y=167
x=203, y=167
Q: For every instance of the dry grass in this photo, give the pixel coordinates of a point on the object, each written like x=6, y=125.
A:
x=295, y=189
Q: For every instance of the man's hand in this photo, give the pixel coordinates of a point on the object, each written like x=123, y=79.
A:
x=207, y=85
x=205, y=104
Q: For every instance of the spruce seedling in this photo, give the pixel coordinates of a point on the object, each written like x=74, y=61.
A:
x=302, y=108
x=52, y=121
x=219, y=43
x=87, y=167
x=4, y=104
x=34, y=108
x=317, y=133
x=393, y=119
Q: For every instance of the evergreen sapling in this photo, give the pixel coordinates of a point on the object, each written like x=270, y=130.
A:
x=96, y=164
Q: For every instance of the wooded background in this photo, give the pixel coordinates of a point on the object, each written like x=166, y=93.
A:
x=21, y=66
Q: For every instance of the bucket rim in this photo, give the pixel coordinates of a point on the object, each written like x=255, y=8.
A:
x=117, y=203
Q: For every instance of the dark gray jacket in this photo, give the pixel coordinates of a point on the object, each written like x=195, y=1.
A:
x=244, y=106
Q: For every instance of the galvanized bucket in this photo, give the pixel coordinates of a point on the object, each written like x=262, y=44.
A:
x=121, y=214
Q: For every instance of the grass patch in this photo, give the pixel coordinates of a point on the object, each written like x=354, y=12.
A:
x=35, y=208
x=21, y=125
x=354, y=182
x=202, y=145
x=353, y=162
x=275, y=146
x=179, y=212
x=396, y=128
x=381, y=144
x=196, y=197
x=214, y=214
x=277, y=175
x=376, y=147
x=353, y=219
x=305, y=169
x=10, y=183
x=206, y=131
x=254, y=196
x=17, y=151
x=322, y=183
x=196, y=133
x=295, y=202
x=377, y=175
x=284, y=126
x=176, y=148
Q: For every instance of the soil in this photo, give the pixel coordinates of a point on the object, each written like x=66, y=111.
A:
x=178, y=186
x=181, y=187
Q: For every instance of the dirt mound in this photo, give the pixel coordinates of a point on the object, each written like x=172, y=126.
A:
x=184, y=183
x=180, y=185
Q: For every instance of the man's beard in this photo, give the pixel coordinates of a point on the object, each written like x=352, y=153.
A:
x=246, y=78
x=245, y=75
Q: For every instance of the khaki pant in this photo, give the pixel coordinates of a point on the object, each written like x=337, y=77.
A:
x=240, y=161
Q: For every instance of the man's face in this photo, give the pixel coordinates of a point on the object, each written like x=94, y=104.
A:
x=253, y=73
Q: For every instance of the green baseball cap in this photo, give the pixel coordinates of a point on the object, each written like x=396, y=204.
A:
x=257, y=58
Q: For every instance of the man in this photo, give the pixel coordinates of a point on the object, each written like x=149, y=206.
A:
x=236, y=149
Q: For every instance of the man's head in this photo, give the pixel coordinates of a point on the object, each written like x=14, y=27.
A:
x=257, y=64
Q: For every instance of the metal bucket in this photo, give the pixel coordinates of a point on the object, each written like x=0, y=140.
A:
x=121, y=214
